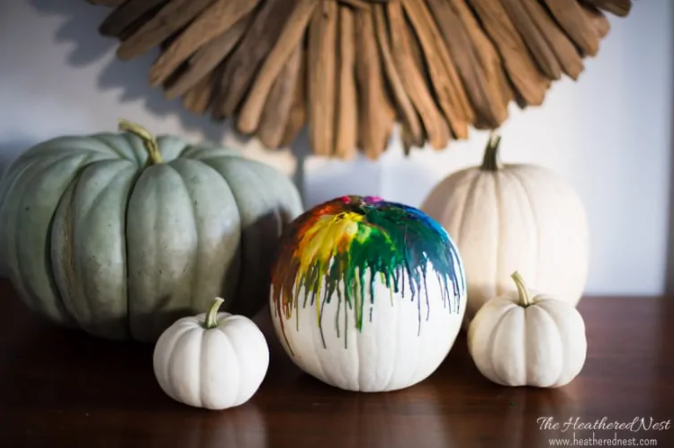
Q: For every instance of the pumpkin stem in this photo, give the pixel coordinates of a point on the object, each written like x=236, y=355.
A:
x=524, y=299
x=211, y=321
x=490, y=159
x=149, y=140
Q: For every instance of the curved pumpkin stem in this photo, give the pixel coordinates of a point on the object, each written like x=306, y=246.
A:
x=524, y=299
x=211, y=317
x=149, y=140
x=491, y=159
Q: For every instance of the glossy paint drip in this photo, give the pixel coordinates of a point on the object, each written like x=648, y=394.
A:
x=329, y=250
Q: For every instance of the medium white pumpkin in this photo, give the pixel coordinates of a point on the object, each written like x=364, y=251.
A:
x=213, y=360
x=513, y=217
x=528, y=339
x=367, y=295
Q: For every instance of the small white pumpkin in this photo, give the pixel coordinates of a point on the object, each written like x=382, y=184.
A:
x=513, y=216
x=213, y=360
x=528, y=339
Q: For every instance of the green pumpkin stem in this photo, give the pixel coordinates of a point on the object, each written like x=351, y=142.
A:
x=524, y=299
x=491, y=157
x=149, y=140
x=211, y=320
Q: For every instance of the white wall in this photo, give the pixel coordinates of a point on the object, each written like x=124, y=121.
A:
x=608, y=134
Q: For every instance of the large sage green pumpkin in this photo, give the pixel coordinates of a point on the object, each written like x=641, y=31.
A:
x=120, y=233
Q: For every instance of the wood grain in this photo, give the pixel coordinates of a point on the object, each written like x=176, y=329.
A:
x=347, y=113
x=458, y=94
x=563, y=49
x=211, y=23
x=251, y=53
x=484, y=95
x=619, y=8
x=126, y=14
x=407, y=114
x=65, y=389
x=198, y=98
x=534, y=40
x=297, y=117
x=499, y=87
x=520, y=65
x=171, y=18
x=447, y=86
x=322, y=54
x=414, y=81
x=440, y=66
x=377, y=112
x=279, y=102
x=291, y=35
x=133, y=27
x=359, y=4
x=597, y=18
x=577, y=25
x=208, y=57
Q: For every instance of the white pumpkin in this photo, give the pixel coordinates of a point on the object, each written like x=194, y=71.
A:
x=513, y=217
x=367, y=295
x=214, y=360
x=528, y=339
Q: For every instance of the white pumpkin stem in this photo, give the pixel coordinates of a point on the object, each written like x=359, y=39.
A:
x=524, y=299
x=211, y=317
x=149, y=140
x=491, y=157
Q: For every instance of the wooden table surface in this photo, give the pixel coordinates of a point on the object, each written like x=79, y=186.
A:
x=63, y=388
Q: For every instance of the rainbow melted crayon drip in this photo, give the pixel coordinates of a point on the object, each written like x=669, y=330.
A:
x=340, y=240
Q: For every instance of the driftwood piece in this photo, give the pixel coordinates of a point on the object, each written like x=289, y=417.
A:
x=407, y=141
x=599, y=21
x=358, y=4
x=442, y=124
x=352, y=69
x=207, y=58
x=406, y=111
x=293, y=31
x=198, y=98
x=484, y=96
x=172, y=17
x=619, y=8
x=415, y=47
x=133, y=27
x=529, y=82
x=563, y=49
x=458, y=94
x=298, y=114
x=413, y=79
x=278, y=105
x=488, y=58
x=125, y=15
x=347, y=110
x=377, y=113
x=321, y=65
x=444, y=78
x=291, y=35
x=571, y=18
x=250, y=55
x=535, y=41
x=211, y=23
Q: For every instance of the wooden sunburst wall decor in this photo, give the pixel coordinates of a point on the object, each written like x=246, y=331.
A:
x=351, y=69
